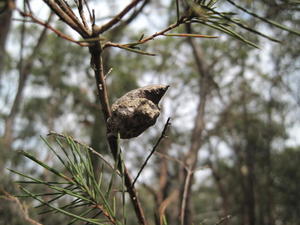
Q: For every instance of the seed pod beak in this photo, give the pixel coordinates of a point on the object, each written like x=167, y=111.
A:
x=157, y=93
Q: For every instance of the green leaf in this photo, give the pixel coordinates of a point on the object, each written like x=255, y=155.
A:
x=93, y=221
x=33, y=158
x=278, y=25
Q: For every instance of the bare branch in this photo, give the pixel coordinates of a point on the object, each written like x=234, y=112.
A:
x=185, y=196
x=164, y=205
x=128, y=48
x=162, y=136
x=46, y=25
x=181, y=163
x=66, y=18
x=67, y=9
x=134, y=14
x=116, y=19
x=149, y=38
x=22, y=207
x=88, y=8
x=81, y=13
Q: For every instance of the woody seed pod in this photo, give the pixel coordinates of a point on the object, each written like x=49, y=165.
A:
x=136, y=111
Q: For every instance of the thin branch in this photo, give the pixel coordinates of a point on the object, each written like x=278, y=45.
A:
x=116, y=19
x=177, y=9
x=93, y=19
x=128, y=48
x=61, y=14
x=106, y=214
x=81, y=13
x=40, y=40
x=181, y=163
x=28, y=6
x=23, y=208
x=164, y=205
x=23, y=30
x=108, y=72
x=162, y=136
x=66, y=18
x=45, y=24
x=171, y=27
x=88, y=8
x=134, y=14
x=67, y=9
x=185, y=196
x=149, y=38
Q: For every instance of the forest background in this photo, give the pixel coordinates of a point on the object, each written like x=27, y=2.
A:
x=231, y=153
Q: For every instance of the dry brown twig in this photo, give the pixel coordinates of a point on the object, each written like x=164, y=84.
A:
x=81, y=13
x=163, y=32
x=164, y=205
x=23, y=208
x=63, y=12
x=146, y=39
x=48, y=26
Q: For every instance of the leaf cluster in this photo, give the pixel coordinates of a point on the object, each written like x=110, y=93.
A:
x=84, y=194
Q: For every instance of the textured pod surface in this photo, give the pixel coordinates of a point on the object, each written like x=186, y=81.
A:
x=136, y=111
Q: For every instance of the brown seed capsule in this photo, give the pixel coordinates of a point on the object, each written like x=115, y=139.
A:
x=136, y=111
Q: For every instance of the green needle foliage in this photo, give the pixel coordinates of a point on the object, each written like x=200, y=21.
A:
x=84, y=195
x=206, y=13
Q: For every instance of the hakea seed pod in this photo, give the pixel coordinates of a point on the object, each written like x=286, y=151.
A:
x=136, y=111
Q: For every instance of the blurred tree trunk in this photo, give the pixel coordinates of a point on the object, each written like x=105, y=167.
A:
x=5, y=21
x=25, y=66
x=191, y=157
x=250, y=193
x=241, y=181
x=222, y=192
x=249, y=172
x=164, y=196
x=268, y=165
